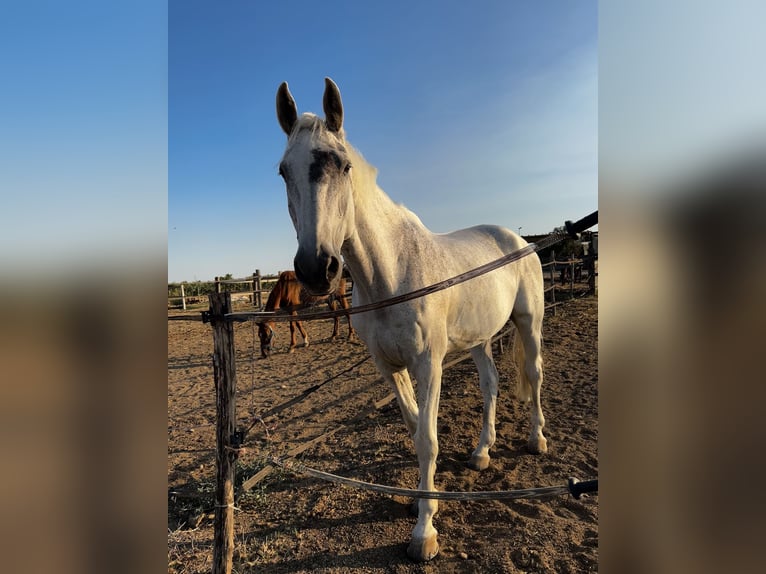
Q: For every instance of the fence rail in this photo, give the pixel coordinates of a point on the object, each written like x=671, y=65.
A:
x=570, y=271
x=254, y=294
x=564, y=273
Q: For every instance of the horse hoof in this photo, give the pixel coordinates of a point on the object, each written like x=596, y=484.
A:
x=290, y=350
x=423, y=550
x=537, y=445
x=479, y=462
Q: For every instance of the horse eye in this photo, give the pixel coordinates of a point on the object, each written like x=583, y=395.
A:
x=347, y=168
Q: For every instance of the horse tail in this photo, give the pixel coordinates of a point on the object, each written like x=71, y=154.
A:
x=523, y=386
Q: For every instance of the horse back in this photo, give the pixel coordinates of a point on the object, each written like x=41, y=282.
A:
x=473, y=311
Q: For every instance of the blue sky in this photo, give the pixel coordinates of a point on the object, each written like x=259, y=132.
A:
x=471, y=116
x=83, y=133
x=135, y=132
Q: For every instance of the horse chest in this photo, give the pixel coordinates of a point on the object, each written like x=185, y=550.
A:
x=392, y=337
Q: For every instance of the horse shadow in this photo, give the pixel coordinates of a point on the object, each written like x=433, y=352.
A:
x=394, y=554
x=341, y=553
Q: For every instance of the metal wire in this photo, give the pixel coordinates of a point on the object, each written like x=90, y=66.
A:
x=542, y=492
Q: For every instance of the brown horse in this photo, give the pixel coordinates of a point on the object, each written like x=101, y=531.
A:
x=288, y=294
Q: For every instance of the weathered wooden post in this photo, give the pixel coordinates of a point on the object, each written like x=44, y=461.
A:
x=183, y=297
x=257, y=289
x=553, y=280
x=571, y=277
x=224, y=372
x=217, y=284
x=592, y=284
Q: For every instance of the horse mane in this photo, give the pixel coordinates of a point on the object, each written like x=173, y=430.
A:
x=364, y=174
x=272, y=303
x=281, y=292
x=278, y=292
x=365, y=177
x=314, y=124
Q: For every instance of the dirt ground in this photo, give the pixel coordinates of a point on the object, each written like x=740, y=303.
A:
x=293, y=523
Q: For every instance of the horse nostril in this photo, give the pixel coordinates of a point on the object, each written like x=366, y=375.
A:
x=333, y=267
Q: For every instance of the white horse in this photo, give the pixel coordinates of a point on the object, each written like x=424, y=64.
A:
x=338, y=210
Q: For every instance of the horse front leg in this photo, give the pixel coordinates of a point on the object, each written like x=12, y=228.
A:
x=346, y=305
x=405, y=398
x=292, y=337
x=424, y=544
x=332, y=304
x=400, y=382
x=488, y=379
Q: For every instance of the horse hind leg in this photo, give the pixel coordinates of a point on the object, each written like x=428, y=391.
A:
x=488, y=380
x=304, y=334
x=529, y=361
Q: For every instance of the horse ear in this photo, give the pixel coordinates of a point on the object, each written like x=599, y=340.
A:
x=287, y=111
x=333, y=106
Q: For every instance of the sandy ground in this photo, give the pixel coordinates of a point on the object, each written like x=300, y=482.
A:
x=293, y=523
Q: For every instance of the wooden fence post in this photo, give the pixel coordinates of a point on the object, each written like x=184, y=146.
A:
x=183, y=297
x=257, y=289
x=592, y=280
x=224, y=372
x=571, y=277
x=553, y=280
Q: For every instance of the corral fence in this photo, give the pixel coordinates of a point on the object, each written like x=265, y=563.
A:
x=565, y=276
x=249, y=289
x=229, y=440
x=570, y=277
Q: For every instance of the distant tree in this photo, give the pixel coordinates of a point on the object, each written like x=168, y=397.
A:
x=568, y=249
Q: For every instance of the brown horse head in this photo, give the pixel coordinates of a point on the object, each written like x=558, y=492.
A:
x=288, y=295
x=266, y=334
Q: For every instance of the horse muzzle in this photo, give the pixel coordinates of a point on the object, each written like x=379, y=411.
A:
x=265, y=334
x=319, y=272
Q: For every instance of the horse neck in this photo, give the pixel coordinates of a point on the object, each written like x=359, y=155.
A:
x=376, y=253
x=275, y=297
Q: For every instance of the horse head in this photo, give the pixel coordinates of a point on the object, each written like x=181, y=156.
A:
x=266, y=334
x=317, y=175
